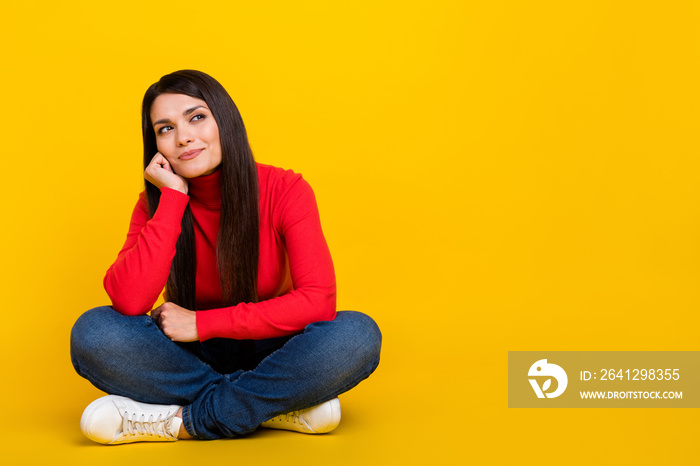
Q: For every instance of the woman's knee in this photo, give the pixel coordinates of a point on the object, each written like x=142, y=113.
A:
x=363, y=334
x=90, y=325
x=95, y=333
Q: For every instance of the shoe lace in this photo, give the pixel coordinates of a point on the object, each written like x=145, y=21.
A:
x=138, y=425
x=292, y=417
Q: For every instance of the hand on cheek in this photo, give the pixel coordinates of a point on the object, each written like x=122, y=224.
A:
x=160, y=173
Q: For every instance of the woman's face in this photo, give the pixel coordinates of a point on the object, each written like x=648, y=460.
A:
x=186, y=134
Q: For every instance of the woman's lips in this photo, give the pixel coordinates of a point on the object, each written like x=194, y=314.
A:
x=190, y=154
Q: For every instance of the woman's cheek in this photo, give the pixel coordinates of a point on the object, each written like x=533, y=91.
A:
x=173, y=166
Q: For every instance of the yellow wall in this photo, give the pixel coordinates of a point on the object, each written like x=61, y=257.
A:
x=491, y=175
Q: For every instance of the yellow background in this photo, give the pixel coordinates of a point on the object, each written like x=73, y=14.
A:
x=491, y=175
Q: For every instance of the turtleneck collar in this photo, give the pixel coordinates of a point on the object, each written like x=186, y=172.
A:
x=206, y=189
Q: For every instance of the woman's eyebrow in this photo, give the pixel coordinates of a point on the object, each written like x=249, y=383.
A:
x=190, y=110
x=185, y=113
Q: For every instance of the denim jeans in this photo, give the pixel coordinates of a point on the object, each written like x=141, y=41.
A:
x=227, y=387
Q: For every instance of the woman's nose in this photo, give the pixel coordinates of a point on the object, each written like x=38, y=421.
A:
x=184, y=139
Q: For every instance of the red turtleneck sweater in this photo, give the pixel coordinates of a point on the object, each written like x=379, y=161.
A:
x=296, y=281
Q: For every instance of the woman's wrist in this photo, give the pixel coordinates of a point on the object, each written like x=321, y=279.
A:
x=174, y=188
x=182, y=189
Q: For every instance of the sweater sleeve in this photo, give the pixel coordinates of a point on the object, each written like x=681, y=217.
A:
x=313, y=298
x=141, y=270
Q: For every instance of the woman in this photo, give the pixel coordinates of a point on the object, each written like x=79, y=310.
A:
x=248, y=335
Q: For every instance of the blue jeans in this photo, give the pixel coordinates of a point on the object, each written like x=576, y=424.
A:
x=227, y=387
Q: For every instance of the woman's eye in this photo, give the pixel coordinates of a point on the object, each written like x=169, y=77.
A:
x=164, y=129
x=198, y=117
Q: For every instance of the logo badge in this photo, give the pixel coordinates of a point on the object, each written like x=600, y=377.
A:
x=542, y=369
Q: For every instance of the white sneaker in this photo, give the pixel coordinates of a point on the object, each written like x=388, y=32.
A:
x=116, y=419
x=318, y=419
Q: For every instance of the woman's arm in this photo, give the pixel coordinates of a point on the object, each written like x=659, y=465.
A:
x=142, y=267
x=295, y=217
x=141, y=270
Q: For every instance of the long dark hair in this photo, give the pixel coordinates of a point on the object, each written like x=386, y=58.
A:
x=238, y=241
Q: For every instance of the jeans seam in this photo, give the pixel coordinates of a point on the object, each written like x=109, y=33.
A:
x=187, y=421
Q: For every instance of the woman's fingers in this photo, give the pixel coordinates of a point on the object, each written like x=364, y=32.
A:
x=158, y=162
x=176, y=322
x=161, y=161
x=161, y=174
x=155, y=314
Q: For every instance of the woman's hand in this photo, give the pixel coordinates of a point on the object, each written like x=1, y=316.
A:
x=178, y=323
x=160, y=173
